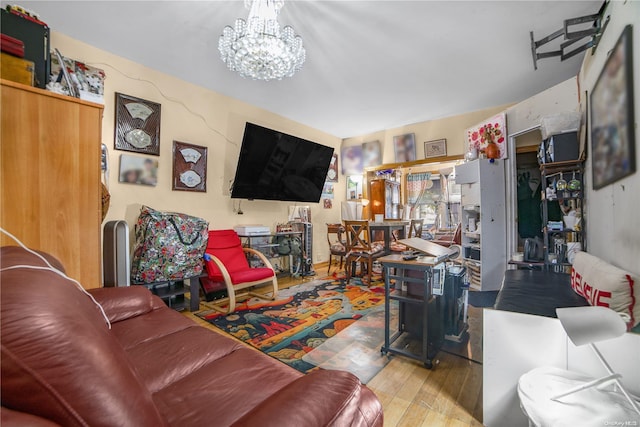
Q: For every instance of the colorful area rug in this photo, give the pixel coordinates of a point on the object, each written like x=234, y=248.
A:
x=300, y=320
x=357, y=348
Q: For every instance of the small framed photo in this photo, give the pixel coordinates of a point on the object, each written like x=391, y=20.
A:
x=404, y=147
x=435, y=148
x=138, y=170
x=354, y=187
x=332, y=172
x=189, y=167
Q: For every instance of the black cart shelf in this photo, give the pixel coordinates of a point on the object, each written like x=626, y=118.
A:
x=428, y=274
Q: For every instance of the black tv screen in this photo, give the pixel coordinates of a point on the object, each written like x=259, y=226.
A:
x=277, y=166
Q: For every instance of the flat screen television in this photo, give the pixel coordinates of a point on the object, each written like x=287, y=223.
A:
x=276, y=166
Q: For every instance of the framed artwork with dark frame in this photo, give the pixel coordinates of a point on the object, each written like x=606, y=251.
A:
x=612, y=116
x=435, y=148
x=137, y=125
x=189, y=167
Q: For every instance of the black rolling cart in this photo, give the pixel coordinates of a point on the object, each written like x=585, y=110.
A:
x=417, y=286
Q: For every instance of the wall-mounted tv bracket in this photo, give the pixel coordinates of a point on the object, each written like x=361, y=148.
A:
x=594, y=33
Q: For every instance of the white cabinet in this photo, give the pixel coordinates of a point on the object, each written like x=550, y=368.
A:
x=484, y=225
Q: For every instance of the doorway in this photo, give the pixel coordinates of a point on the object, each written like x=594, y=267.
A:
x=528, y=195
x=524, y=219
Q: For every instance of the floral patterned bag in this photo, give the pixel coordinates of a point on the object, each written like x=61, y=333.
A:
x=169, y=246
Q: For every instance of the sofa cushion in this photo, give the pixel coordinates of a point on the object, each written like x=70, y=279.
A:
x=135, y=301
x=167, y=359
x=228, y=388
x=251, y=275
x=9, y=418
x=376, y=248
x=605, y=285
x=59, y=360
x=157, y=323
x=335, y=394
x=338, y=248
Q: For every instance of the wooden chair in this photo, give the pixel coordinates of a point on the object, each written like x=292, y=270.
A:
x=415, y=230
x=226, y=262
x=360, y=249
x=337, y=243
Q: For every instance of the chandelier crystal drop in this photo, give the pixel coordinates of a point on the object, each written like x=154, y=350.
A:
x=258, y=48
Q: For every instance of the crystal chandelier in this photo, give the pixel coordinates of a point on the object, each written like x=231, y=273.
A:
x=258, y=48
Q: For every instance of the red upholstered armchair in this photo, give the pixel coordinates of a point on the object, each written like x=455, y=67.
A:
x=226, y=262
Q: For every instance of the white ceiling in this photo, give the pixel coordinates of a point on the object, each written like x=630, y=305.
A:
x=371, y=65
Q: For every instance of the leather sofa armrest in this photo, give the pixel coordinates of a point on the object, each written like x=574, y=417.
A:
x=337, y=402
x=10, y=418
x=124, y=303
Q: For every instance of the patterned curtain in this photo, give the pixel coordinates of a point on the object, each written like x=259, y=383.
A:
x=417, y=187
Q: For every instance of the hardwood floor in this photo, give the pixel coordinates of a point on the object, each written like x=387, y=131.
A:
x=450, y=394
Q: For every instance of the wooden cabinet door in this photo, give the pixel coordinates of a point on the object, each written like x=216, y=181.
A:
x=50, y=177
x=377, y=197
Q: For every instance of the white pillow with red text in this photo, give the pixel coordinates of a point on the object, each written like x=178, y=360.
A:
x=602, y=284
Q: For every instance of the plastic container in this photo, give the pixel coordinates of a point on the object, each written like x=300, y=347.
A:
x=560, y=123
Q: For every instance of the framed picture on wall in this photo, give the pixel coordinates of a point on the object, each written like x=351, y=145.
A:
x=612, y=116
x=332, y=172
x=491, y=130
x=189, y=167
x=404, y=147
x=354, y=187
x=137, y=125
x=435, y=148
x=371, y=154
x=352, y=160
x=138, y=170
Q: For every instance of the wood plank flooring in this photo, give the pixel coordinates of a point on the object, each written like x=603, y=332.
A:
x=448, y=395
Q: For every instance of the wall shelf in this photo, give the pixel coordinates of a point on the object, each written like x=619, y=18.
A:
x=557, y=242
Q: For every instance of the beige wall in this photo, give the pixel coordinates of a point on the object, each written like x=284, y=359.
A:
x=214, y=121
x=613, y=224
x=452, y=128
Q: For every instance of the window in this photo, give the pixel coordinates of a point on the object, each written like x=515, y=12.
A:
x=434, y=197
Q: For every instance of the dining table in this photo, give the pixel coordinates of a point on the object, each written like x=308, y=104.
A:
x=387, y=227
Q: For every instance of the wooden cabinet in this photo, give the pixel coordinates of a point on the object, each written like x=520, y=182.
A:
x=50, y=177
x=385, y=198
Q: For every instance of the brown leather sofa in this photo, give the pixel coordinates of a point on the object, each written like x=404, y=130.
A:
x=63, y=365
